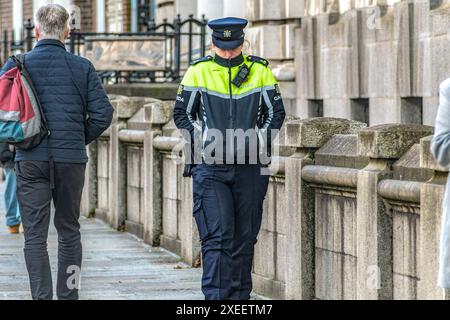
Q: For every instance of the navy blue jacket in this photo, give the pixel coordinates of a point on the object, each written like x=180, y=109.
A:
x=72, y=125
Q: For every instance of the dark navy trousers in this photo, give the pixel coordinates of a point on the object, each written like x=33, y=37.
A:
x=228, y=201
x=35, y=196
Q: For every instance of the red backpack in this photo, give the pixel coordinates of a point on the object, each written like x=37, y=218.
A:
x=22, y=120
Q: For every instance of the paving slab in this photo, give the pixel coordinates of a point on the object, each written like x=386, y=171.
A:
x=116, y=266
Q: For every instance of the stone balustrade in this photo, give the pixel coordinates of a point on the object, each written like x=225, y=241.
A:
x=352, y=212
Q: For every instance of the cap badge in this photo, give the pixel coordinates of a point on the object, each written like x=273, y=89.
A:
x=227, y=34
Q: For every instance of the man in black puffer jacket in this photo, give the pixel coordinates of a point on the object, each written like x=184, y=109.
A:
x=77, y=111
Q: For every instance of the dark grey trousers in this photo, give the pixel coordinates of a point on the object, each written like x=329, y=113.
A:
x=34, y=196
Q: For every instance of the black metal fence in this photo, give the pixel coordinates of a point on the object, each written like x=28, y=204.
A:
x=9, y=44
x=185, y=40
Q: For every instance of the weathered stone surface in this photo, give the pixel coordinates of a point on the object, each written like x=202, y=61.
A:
x=315, y=132
x=264, y=254
x=90, y=192
x=158, y=112
x=126, y=108
x=341, y=151
x=390, y=141
x=408, y=167
x=281, y=206
x=305, y=51
x=152, y=193
x=285, y=72
x=374, y=227
x=288, y=90
x=433, y=49
x=117, y=178
x=166, y=91
x=405, y=288
x=273, y=289
x=268, y=217
x=300, y=235
x=432, y=196
x=171, y=130
x=103, y=174
x=430, y=109
x=336, y=224
x=405, y=251
x=170, y=218
x=401, y=191
x=134, y=184
x=137, y=122
x=295, y=8
x=280, y=262
x=338, y=56
x=426, y=158
x=335, y=276
x=113, y=96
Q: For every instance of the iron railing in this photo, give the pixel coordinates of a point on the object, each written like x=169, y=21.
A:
x=174, y=35
x=10, y=45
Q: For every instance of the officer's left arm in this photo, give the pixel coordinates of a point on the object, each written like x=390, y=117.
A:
x=272, y=103
x=187, y=104
x=7, y=66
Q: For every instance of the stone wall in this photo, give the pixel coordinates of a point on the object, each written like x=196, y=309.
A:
x=352, y=212
x=373, y=61
x=378, y=64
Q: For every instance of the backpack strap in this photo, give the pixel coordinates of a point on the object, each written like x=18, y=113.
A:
x=76, y=85
x=19, y=60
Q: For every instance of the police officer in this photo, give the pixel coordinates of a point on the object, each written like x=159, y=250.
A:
x=229, y=107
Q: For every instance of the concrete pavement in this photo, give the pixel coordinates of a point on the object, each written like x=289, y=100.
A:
x=116, y=266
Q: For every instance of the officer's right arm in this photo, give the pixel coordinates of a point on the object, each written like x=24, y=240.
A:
x=187, y=104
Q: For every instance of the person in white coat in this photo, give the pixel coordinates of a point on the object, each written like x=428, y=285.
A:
x=440, y=148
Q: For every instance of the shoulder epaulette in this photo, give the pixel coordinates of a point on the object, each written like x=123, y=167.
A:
x=256, y=59
x=204, y=59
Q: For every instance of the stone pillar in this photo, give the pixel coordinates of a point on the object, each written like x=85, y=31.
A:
x=152, y=190
x=185, y=8
x=117, y=177
x=430, y=47
x=210, y=8
x=387, y=77
x=89, y=196
x=124, y=110
x=307, y=136
x=383, y=144
x=233, y=8
x=307, y=68
x=431, y=199
x=190, y=241
x=156, y=114
x=339, y=81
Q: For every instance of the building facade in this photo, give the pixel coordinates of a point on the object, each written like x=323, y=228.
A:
x=375, y=61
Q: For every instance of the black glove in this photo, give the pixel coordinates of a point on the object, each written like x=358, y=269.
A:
x=6, y=155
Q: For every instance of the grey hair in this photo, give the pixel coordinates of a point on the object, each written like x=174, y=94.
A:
x=52, y=21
